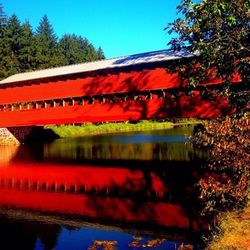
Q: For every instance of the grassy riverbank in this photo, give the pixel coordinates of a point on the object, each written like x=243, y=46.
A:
x=233, y=231
x=92, y=129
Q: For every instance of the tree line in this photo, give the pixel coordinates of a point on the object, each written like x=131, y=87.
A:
x=22, y=49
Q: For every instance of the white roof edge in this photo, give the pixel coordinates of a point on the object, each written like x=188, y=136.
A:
x=142, y=58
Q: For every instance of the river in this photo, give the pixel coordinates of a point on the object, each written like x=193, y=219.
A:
x=119, y=191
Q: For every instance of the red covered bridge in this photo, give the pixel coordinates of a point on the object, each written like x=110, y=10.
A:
x=125, y=88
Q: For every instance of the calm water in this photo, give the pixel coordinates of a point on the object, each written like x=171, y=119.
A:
x=129, y=191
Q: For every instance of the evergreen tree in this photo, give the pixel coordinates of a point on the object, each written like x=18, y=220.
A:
x=84, y=43
x=77, y=49
x=70, y=47
x=3, y=21
x=46, y=43
x=21, y=50
x=100, y=54
x=91, y=53
x=46, y=32
x=4, y=47
x=28, y=49
x=13, y=36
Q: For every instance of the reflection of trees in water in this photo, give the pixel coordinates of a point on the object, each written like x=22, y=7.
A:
x=117, y=151
x=108, y=148
x=17, y=235
x=176, y=151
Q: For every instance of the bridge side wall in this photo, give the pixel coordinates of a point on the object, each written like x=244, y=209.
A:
x=95, y=85
x=158, y=108
x=147, y=79
x=40, y=102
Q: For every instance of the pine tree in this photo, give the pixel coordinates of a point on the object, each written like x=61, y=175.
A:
x=100, y=54
x=4, y=48
x=46, y=31
x=72, y=48
x=69, y=48
x=58, y=58
x=28, y=48
x=91, y=53
x=84, y=43
x=77, y=49
x=46, y=43
x=23, y=50
x=13, y=36
x=3, y=21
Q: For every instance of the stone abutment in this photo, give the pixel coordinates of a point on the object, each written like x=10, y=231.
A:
x=14, y=135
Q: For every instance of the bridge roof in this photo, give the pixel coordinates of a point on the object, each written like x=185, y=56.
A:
x=119, y=62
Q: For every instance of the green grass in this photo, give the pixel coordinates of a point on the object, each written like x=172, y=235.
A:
x=187, y=121
x=93, y=129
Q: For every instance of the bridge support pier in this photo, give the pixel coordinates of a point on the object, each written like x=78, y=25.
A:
x=14, y=135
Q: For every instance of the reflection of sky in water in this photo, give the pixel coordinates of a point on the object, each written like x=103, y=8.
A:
x=83, y=238
x=149, y=138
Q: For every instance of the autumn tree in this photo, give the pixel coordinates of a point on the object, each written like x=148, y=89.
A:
x=217, y=32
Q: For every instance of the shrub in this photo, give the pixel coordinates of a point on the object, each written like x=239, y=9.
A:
x=226, y=184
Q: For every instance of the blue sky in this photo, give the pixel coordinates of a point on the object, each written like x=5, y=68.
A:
x=120, y=27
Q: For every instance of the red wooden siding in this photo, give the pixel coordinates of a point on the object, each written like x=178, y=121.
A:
x=97, y=85
x=183, y=106
x=112, y=83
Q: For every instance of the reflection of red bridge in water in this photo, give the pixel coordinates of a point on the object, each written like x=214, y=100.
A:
x=118, y=195
x=127, y=88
